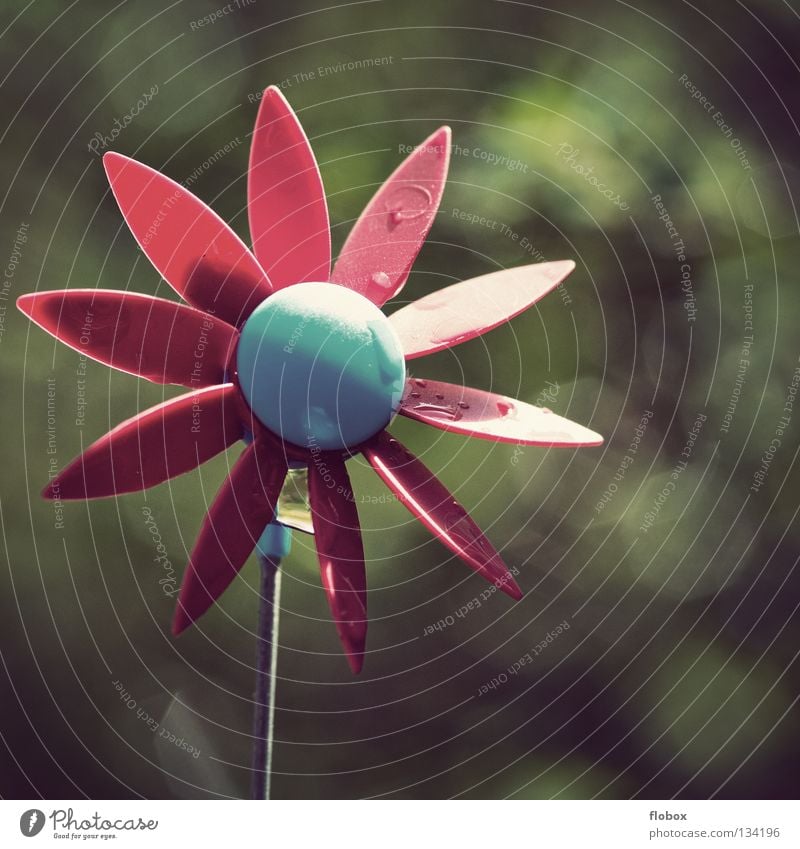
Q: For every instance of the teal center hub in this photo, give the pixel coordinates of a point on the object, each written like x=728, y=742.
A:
x=321, y=366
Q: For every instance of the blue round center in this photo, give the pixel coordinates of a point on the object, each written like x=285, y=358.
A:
x=321, y=366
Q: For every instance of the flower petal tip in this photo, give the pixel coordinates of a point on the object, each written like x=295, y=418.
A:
x=25, y=303
x=590, y=439
x=66, y=487
x=439, y=141
x=353, y=636
x=585, y=438
x=180, y=621
x=559, y=269
x=504, y=580
x=113, y=162
x=355, y=659
x=273, y=91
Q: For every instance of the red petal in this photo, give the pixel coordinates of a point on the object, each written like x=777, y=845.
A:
x=194, y=250
x=165, y=441
x=243, y=507
x=161, y=340
x=472, y=307
x=429, y=500
x=286, y=201
x=383, y=244
x=489, y=416
x=341, y=553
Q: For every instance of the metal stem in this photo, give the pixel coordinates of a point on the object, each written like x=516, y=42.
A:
x=266, y=668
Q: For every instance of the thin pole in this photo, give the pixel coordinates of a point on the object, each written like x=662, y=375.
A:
x=266, y=668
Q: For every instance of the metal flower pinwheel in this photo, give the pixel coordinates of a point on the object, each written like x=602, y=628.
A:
x=298, y=361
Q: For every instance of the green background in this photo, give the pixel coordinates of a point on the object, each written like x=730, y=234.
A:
x=678, y=673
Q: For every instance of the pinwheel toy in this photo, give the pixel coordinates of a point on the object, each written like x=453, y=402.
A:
x=297, y=360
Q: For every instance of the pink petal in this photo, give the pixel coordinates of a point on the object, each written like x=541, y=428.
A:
x=489, y=416
x=383, y=244
x=193, y=249
x=165, y=441
x=467, y=309
x=286, y=201
x=161, y=340
x=236, y=519
x=428, y=499
x=340, y=551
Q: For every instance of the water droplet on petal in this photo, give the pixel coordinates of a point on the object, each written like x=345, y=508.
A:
x=407, y=203
x=429, y=303
x=439, y=411
x=505, y=408
x=458, y=525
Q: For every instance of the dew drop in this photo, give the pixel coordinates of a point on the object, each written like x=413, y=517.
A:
x=440, y=411
x=505, y=408
x=454, y=517
x=432, y=302
x=458, y=525
x=407, y=203
x=382, y=279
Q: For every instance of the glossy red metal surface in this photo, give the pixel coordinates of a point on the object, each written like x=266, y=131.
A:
x=384, y=242
x=193, y=249
x=137, y=334
x=486, y=415
x=285, y=198
x=235, y=520
x=430, y=501
x=207, y=264
x=468, y=309
x=158, y=444
x=337, y=535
